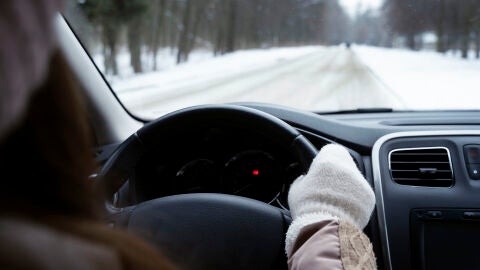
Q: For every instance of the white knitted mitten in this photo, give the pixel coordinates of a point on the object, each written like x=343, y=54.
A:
x=333, y=188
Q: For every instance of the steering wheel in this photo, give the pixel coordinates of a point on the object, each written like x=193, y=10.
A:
x=208, y=231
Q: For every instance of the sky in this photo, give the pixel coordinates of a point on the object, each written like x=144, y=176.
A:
x=351, y=5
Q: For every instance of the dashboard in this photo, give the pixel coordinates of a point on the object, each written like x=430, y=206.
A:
x=216, y=160
x=423, y=166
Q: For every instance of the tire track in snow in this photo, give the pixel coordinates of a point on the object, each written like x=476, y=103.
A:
x=338, y=81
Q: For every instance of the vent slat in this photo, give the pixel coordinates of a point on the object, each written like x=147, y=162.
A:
x=418, y=170
x=415, y=162
x=421, y=167
x=422, y=154
x=418, y=179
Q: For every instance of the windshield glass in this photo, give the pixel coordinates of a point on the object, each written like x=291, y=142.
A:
x=316, y=55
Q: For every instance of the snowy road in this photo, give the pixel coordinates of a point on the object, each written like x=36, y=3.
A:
x=319, y=79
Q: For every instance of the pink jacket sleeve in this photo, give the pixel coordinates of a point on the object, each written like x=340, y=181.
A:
x=332, y=244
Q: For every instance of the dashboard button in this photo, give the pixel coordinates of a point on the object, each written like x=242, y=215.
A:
x=434, y=214
x=474, y=171
x=471, y=215
x=472, y=153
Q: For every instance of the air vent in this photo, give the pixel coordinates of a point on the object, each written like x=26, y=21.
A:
x=429, y=167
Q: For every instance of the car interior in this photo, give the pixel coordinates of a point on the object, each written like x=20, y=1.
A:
x=199, y=177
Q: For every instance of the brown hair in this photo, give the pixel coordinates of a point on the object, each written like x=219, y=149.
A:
x=45, y=164
x=46, y=161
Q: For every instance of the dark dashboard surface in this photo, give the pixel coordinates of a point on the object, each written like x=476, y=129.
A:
x=358, y=131
x=361, y=131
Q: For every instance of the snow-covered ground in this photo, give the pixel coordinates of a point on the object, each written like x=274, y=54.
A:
x=166, y=59
x=198, y=82
x=313, y=78
x=426, y=80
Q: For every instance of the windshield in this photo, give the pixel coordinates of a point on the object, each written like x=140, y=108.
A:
x=316, y=55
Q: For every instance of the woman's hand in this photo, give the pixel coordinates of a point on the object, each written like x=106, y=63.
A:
x=333, y=189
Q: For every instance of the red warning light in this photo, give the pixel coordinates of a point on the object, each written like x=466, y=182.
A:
x=255, y=172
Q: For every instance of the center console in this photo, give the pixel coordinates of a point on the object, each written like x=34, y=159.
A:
x=445, y=238
x=428, y=199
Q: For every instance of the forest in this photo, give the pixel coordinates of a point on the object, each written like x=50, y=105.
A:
x=223, y=26
x=455, y=23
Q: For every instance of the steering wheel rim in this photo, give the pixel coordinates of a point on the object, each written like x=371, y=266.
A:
x=152, y=219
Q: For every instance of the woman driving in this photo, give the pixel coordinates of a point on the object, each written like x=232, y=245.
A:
x=52, y=215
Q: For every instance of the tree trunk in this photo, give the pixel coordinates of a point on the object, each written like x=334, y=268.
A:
x=231, y=23
x=465, y=41
x=110, y=49
x=157, y=24
x=182, y=55
x=219, y=44
x=477, y=43
x=193, y=34
x=464, y=48
x=411, y=41
x=135, y=44
x=440, y=46
x=173, y=27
